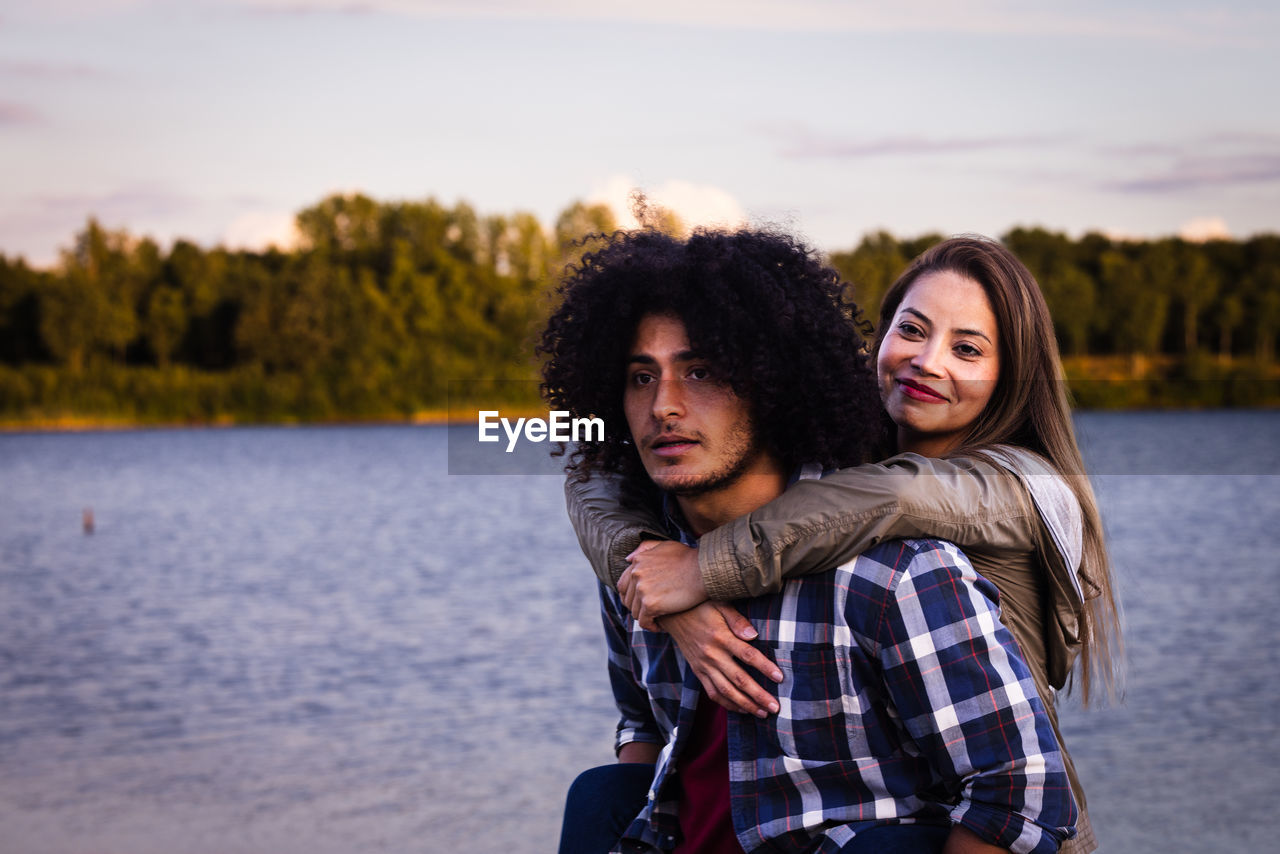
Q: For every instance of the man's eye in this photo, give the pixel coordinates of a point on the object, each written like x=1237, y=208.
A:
x=699, y=374
x=641, y=379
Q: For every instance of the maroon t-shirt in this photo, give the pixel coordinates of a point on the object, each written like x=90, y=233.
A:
x=705, y=821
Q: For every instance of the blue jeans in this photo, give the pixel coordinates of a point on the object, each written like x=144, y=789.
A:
x=600, y=805
x=604, y=800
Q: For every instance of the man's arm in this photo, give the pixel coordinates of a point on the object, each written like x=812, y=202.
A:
x=638, y=738
x=966, y=697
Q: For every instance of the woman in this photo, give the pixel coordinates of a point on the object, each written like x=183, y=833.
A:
x=971, y=379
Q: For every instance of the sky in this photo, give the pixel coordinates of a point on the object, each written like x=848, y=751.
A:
x=218, y=120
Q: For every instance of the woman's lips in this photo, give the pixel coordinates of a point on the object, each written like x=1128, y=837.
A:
x=916, y=391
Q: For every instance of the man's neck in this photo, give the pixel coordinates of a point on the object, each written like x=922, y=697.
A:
x=754, y=488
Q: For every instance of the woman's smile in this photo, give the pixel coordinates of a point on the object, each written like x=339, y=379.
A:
x=919, y=391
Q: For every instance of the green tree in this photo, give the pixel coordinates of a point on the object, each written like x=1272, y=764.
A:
x=871, y=268
x=1184, y=271
x=341, y=224
x=1262, y=294
x=20, y=289
x=89, y=310
x=574, y=226
x=1133, y=311
x=164, y=322
x=1070, y=292
x=1228, y=313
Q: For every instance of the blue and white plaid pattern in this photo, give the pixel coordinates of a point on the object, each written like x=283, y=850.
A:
x=904, y=700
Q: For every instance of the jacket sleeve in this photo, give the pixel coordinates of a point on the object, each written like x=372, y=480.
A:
x=610, y=519
x=820, y=523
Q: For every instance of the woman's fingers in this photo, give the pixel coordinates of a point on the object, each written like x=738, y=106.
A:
x=738, y=624
x=624, y=581
x=644, y=546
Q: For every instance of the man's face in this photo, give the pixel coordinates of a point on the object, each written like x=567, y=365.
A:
x=693, y=433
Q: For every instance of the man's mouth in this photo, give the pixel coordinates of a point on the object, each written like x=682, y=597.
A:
x=671, y=445
x=919, y=391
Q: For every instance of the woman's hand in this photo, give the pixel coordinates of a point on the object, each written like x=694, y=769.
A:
x=713, y=637
x=663, y=578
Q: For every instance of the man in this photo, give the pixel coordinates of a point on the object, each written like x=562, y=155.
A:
x=904, y=714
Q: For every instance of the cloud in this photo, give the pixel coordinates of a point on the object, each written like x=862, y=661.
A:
x=1195, y=172
x=13, y=114
x=1202, y=228
x=1087, y=18
x=89, y=8
x=1184, y=23
x=258, y=230
x=123, y=205
x=36, y=225
x=34, y=70
x=808, y=145
x=695, y=204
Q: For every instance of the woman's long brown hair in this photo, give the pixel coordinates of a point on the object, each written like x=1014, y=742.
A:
x=1030, y=409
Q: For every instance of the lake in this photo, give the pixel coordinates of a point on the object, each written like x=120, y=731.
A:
x=318, y=640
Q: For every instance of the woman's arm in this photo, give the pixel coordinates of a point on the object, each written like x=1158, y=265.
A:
x=611, y=519
x=817, y=524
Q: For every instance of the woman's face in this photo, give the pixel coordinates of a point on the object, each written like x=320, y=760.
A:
x=938, y=362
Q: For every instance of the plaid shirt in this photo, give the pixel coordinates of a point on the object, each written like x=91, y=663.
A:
x=904, y=700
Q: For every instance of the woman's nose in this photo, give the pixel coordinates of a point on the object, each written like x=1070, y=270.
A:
x=928, y=359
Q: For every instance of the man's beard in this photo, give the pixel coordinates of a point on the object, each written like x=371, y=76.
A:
x=743, y=448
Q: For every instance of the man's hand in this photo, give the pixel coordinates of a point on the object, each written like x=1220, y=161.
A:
x=663, y=578
x=713, y=637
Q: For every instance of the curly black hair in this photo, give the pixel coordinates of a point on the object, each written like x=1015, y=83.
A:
x=776, y=323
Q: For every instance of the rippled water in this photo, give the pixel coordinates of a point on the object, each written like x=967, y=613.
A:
x=316, y=640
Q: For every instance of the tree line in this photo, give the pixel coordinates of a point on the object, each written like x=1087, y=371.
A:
x=383, y=303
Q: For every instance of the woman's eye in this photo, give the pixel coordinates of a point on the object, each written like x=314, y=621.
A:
x=968, y=351
x=908, y=328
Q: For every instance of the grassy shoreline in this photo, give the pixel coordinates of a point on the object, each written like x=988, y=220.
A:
x=85, y=424
x=48, y=400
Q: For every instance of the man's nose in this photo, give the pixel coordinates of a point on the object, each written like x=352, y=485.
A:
x=668, y=400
